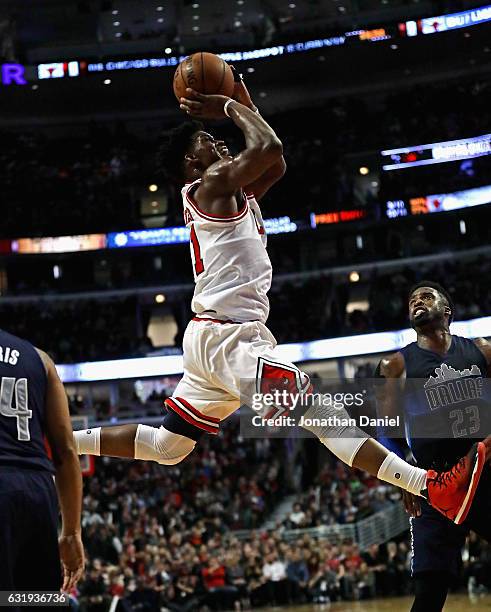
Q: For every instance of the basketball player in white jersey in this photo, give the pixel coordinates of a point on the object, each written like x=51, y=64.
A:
x=227, y=340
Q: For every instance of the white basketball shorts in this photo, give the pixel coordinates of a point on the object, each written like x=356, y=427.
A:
x=221, y=359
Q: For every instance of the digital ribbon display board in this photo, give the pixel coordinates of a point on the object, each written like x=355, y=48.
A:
x=440, y=202
x=445, y=23
x=436, y=153
x=161, y=235
x=59, y=244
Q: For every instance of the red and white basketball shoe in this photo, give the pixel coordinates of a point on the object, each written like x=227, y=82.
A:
x=452, y=492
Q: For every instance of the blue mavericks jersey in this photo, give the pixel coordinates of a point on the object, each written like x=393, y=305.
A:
x=446, y=402
x=22, y=405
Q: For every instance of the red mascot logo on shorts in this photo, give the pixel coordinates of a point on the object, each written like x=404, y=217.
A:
x=283, y=381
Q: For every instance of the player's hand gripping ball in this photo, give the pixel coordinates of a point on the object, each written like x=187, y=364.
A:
x=203, y=107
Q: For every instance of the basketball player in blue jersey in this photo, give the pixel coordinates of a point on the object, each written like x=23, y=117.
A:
x=227, y=341
x=33, y=408
x=438, y=384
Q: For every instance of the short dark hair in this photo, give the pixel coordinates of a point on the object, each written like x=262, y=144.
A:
x=174, y=148
x=441, y=290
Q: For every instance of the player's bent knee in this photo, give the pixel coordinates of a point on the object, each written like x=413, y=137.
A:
x=343, y=440
x=173, y=461
x=345, y=449
x=161, y=445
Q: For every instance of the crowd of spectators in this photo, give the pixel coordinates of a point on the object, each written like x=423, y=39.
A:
x=78, y=330
x=77, y=185
x=70, y=185
x=166, y=537
x=214, y=490
x=189, y=537
x=179, y=575
x=339, y=496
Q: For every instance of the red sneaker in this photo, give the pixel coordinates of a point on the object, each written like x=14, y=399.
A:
x=452, y=492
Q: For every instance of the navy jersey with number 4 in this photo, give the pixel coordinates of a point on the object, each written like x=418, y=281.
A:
x=22, y=405
x=446, y=407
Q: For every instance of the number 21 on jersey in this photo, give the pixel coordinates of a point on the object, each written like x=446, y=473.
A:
x=198, y=262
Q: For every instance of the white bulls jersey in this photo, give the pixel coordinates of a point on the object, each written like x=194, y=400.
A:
x=228, y=353
x=231, y=266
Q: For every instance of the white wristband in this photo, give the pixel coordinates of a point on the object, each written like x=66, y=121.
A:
x=88, y=441
x=225, y=107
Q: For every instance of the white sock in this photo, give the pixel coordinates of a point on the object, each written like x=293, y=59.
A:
x=88, y=441
x=399, y=473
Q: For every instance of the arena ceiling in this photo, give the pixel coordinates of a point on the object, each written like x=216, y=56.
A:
x=194, y=23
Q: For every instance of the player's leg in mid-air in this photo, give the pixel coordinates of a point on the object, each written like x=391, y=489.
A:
x=200, y=401
x=218, y=358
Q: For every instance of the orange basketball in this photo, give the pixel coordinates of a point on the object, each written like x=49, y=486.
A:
x=203, y=72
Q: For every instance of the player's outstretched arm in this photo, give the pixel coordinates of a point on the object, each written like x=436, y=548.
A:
x=274, y=173
x=388, y=393
x=68, y=476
